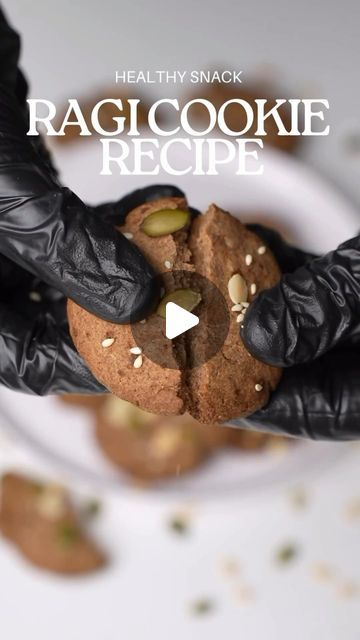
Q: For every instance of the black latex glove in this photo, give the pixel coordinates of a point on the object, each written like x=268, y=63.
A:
x=310, y=324
x=48, y=235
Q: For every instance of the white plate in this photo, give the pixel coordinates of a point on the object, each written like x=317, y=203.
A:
x=288, y=196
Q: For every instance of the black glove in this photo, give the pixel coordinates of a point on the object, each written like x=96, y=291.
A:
x=310, y=324
x=48, y=235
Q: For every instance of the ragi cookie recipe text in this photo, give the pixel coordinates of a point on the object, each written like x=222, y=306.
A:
x=127, y=151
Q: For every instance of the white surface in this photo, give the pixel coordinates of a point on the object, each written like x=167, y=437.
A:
x=178, y=320
x=155, y=575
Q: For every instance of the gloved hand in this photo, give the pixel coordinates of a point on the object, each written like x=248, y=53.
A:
x=48, y=235
x=310, y=324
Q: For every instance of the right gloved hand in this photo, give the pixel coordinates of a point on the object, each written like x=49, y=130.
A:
x=310, y=324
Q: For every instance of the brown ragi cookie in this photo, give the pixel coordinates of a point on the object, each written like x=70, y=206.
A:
x=40, y=520
x=151, y=447
x=232, y=383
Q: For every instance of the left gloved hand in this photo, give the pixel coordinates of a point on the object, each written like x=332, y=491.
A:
x=52, y=247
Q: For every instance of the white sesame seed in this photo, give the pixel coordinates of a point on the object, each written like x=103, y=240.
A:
x=138, y=362
x=245, y=304
x=128, y=235
x=248, y=259
x=261, y=250
x=168, y=264
x=240, y=317
x=142, y=321
x=107, y=342
x=35, y=296
x=253, y=289
x=258, y=387
x=136, y=351
x=237, y=307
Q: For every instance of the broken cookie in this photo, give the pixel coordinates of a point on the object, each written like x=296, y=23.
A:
x=40, y=520
x=194, y=373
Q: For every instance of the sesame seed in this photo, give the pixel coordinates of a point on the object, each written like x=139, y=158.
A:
x=168, y=264
x=142, y=321
x=261, y=250
x=136, y=351
x=107, y=342
x=245, y=304
x=258, y=387
x=322, y=572
x=138, y=362
x=128, y=235
x=248, y=259
x=35, y=296
x=253, y=289
x=240, y=317
x=237, y=307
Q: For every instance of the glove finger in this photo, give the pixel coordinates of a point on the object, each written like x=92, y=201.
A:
x=319, y=400
x=47, y=230
x=37, y=356
x=288, y=257
x=309, y=311
x=115, y=213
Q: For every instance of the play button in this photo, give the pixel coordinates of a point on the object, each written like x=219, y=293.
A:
x=174, y=337
x=178, y=320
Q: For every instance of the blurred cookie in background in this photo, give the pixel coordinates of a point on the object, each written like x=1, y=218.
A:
x=40, y=520
x=151, y=447
x=84, y=401
x=147, y=446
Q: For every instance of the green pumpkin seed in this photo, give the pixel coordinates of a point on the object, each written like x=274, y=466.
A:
x=165, y=221
x=185, y=298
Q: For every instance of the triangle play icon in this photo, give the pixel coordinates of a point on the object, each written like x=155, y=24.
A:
x=178, y=320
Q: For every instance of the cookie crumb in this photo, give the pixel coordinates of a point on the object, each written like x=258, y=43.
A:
x=202, y=606
x=179, y=524
x=92, y=508
x=352, y=509
x=143, y=321
x=230, y=567
x=347, y=590
x=68, y=535
x=168, y=264
x=108, y=342
x=322, y=572
x=286, y=553
x=244, y=594
x=298, y=498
